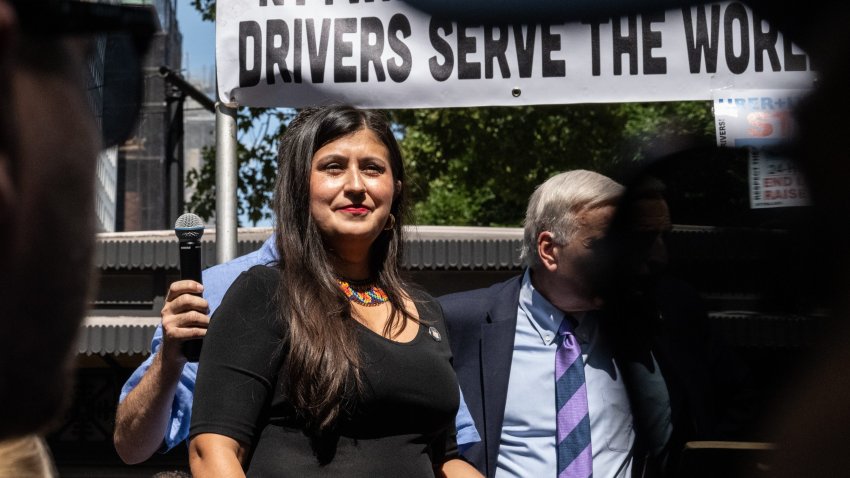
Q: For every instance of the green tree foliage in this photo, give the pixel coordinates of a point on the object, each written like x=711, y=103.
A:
x=257, y=131
x=478, y=166
x=206, y=9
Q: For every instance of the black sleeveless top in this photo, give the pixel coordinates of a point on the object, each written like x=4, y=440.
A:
x=402, y=425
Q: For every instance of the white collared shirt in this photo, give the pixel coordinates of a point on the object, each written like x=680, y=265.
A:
x=527, y=445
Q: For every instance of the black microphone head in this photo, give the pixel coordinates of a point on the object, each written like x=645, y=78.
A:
x=189, y=227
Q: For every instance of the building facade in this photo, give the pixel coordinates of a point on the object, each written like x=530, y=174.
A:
x=146, y=181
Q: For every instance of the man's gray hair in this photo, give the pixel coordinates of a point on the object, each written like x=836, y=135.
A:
x=556, y=204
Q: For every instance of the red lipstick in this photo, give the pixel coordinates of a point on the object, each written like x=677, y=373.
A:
x=355, y=210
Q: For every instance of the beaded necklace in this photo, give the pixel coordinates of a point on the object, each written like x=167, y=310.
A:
x=363, y=292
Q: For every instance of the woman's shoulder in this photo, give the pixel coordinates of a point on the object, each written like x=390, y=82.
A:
x=259, y=275
x=427, y=306
x=252, y=299
x=419, y=295
x=264, y=272
x=257, y=281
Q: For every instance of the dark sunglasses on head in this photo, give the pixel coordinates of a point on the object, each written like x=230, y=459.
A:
x=127, y=31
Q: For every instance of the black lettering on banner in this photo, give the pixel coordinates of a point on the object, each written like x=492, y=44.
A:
x=702, y=43
x=651, y=39
x=296, y=49
x=276, y=55
x=494, y=49
x=625, y=45
x=735, y=12
x=317, y=50
x=466, y=70
x=250, y=32
x=441, y=71
x=344, y=49
x=793, y=61
x=595, y=52
x=550, y=42
x=371, y=52
x=765, y=41
x=399, y=24
x=525, y=49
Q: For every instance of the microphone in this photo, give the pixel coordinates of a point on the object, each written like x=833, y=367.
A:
x=189, y=229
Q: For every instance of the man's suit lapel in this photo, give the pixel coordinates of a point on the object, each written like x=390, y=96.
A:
x=497, y=343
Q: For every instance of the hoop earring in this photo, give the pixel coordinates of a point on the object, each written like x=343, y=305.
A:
x=390, y=223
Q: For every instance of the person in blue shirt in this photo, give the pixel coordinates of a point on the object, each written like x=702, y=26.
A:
x=155, y=405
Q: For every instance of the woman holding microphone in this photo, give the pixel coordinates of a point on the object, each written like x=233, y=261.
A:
x=329, y=364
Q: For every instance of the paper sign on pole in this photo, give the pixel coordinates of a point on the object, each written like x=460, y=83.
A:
x=762, y=122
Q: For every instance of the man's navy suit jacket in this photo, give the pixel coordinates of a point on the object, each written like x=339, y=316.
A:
x=482, y=326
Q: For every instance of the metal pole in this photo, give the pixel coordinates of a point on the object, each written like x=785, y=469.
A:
x=225, y=182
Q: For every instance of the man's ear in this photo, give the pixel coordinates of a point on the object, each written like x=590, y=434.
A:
x=547, y=250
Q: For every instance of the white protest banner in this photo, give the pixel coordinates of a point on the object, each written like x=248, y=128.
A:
x=385, y=54
x=762, y=120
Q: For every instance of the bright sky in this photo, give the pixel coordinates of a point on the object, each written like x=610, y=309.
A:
x=198, y=41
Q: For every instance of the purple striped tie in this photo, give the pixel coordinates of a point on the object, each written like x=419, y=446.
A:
x=574, y=453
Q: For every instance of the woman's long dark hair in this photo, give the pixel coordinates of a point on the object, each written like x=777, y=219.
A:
x=321, y=372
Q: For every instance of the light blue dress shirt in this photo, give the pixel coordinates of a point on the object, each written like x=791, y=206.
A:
x=527, y=445
x=217, y=280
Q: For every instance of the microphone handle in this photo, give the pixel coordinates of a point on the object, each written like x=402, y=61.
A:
x=190, y=268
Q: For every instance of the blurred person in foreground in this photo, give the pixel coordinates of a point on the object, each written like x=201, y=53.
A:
x=812, y=420
x=26, y=456
x=329, y=363
x=49, y=141
x=710, y=389
x=675, y=317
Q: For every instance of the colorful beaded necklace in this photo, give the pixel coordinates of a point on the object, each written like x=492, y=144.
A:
x=363, y=292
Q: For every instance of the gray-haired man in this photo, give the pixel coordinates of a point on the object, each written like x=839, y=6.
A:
x=509, y=341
